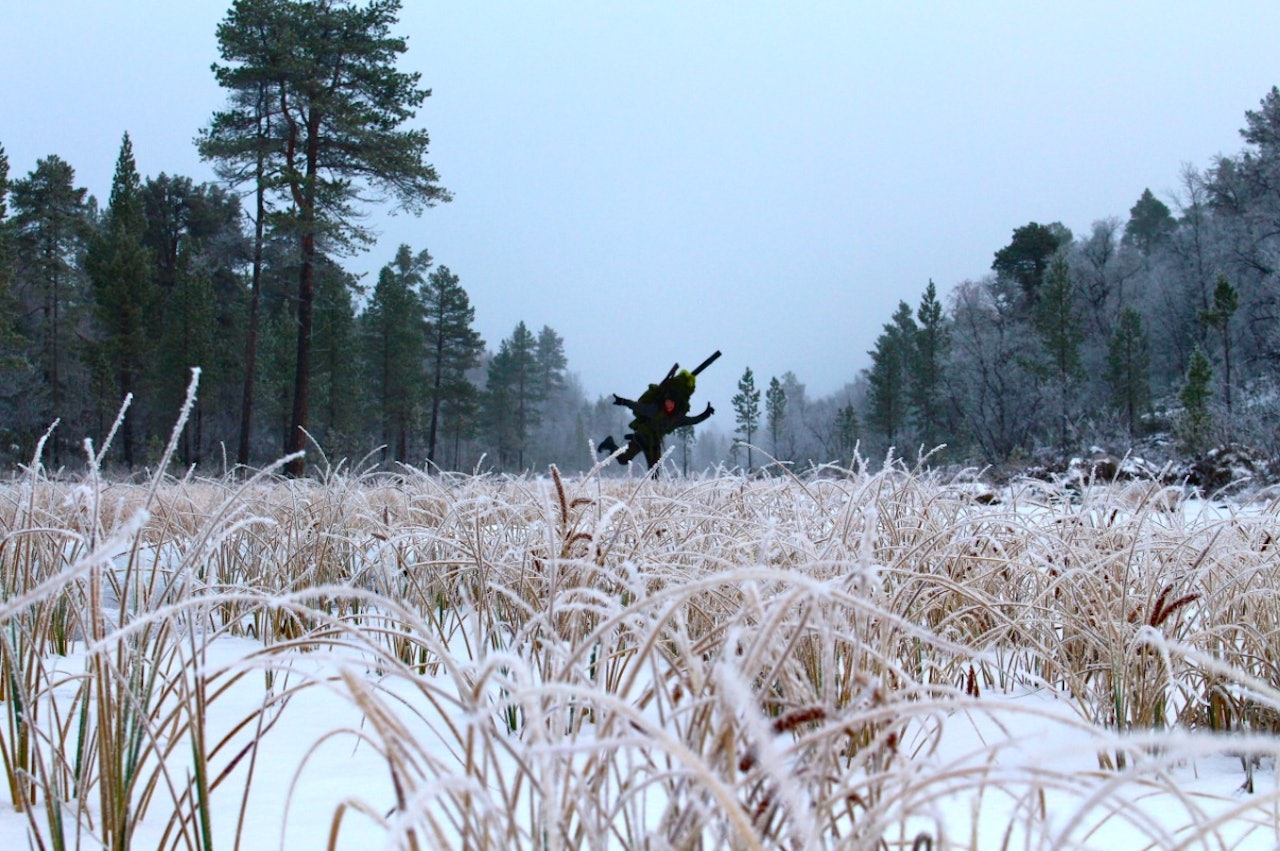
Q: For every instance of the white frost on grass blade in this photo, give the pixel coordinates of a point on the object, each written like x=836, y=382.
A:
x=425, y=661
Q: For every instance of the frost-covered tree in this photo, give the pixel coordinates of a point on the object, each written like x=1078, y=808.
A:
x=847, y=427
x=686, y=438
x=1103, y=271
x=992, y=380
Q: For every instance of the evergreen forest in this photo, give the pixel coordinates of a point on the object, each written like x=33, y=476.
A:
x=1158, y=333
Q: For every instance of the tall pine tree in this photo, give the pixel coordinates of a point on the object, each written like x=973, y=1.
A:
x=513, y=396
x=453, y=348
x=890, y=377
x=393, y=338
x=334, y=132
x=1225, y=303
x=52, y=224
x=119, y=268
x=1128, y=369
x=12, y=344
x=928, y=355
x=1057, y=319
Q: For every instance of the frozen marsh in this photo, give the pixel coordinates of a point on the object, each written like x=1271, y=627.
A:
x=423, y=661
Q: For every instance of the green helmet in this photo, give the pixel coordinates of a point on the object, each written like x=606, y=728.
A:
x=685, y=382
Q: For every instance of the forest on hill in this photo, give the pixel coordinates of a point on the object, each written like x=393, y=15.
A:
x=1159, y=333
x=1156, y=333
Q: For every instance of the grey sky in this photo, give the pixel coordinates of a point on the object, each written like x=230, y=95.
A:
x=659, y=180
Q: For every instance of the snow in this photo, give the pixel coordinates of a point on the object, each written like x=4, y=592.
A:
x=356, y=752
x=1002, y=753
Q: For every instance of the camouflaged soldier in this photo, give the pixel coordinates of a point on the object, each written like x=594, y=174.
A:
x=660, y=410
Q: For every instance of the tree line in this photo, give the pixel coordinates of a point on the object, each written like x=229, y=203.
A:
x=1158, y=334
x=102, y=305
x=1163, y=327
x=101, y=308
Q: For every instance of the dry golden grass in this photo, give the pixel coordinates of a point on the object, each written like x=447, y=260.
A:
x=685, y=663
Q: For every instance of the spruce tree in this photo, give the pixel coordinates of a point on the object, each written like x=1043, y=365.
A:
x=51, y=226
x=746, y=408
x=1128, y=368
x=775, y=406
x=551, y=361
x=453, y=348
x=186, y=339
x=513, y=396
x=1196, y=421
x=14, y=367
x=559, y=401
x=1057, y=321
x=193, y=228
x=119, y=268
x=393, y=339
x=890, y=375
x=927, y=388
x=336, y=370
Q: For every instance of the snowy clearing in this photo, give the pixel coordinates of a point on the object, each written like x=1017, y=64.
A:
x=854, y=660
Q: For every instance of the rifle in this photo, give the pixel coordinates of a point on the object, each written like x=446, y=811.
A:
x=697, y=369
x=706, y=363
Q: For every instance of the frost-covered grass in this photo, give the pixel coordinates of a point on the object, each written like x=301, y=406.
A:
x=845, y=660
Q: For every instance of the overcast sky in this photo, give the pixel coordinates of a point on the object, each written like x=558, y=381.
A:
x=659, y=180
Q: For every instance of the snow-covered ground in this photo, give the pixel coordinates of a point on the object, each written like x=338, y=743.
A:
x=567, y=693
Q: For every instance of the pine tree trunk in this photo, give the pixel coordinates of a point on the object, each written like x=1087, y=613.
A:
x=435, y=398
x=251, y=334
x=306, y=302
x=296, y=439
x=126, y=426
